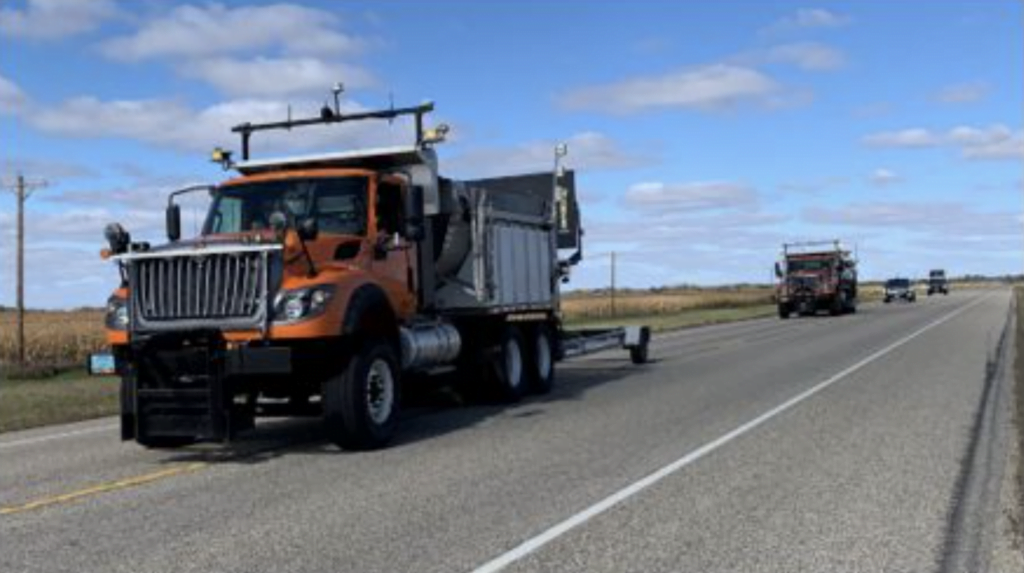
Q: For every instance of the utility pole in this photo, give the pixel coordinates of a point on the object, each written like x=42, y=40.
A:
x=22, y=190
x=613, y=284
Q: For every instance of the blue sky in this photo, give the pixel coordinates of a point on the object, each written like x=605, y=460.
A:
x=704, y=133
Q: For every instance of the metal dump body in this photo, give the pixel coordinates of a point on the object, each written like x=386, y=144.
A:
x=511, y=260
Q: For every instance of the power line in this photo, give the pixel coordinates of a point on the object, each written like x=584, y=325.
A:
x=22, y=190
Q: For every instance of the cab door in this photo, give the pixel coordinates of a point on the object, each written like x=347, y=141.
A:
x=393, y=256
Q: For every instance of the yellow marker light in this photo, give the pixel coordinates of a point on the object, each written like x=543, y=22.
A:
x=217, y=156
x=437, y=134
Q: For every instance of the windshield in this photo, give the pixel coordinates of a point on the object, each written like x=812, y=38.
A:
x=804, y=265
x=338, y=204
x=897, y=283
x=937, y=274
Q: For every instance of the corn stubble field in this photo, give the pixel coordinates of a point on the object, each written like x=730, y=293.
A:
x=54, y=340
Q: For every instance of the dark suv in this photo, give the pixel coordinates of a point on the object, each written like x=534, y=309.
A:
x=899, y=289
x=937, y=282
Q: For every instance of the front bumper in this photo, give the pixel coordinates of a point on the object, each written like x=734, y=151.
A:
x=188, y=386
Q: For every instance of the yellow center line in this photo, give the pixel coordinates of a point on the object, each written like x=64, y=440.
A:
x=102, y=488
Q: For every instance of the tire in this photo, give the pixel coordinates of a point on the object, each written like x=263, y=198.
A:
x=507, y=368
x=784, y=311
x=837, y=306
x=541, y=367
x=362, y=402
x=640, y=354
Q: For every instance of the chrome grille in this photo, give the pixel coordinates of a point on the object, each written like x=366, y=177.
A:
x=201, y=287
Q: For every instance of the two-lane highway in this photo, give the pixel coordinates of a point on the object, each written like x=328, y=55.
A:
x=819, y=444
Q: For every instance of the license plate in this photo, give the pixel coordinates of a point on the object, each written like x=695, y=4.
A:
x=102, y=364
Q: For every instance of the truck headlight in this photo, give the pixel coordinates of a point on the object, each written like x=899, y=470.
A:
x=302, y=304
x=117, y=313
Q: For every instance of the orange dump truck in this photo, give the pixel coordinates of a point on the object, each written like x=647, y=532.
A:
x=816, y=276
x=319, y=282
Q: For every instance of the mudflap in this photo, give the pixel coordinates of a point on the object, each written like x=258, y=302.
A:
x=177, y=387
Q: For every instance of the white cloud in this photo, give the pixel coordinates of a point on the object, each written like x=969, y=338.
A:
x=692, y=196
x=587, y=151
x=946, y=219
x=214, y=29
x=54, y=19
x=993, y=142
x=882, y=177
x=811, y=18
x=45, y=168
x=811, y=56
x=913, y=137
x=968, y=135
x=12, y=99
x=275, y=76
x=709, y=87
x=684, y=243
x=963, y=93
x=170, y=123
x=1011, y=147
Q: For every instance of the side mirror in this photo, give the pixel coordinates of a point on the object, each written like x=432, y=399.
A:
x=117, y=238
x=308, y=229
x=778, y=270
x=414, y=214
x=173, y=222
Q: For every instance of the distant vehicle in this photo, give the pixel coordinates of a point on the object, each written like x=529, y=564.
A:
x=937, y=282
x=816, y=277
x=899, y=289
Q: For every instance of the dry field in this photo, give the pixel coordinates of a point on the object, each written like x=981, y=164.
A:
x=597, y=305
x=54, y=341
x=61, y=340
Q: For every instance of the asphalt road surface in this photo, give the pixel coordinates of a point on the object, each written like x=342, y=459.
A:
x=854, y=443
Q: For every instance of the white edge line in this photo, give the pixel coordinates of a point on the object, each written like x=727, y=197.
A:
x=47, y=438
x=534, y=543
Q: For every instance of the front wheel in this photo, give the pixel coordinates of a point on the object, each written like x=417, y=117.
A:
x=838, y=305
x=783, y=311
x=361, y=403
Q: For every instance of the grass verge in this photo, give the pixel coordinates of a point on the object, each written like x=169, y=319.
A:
x=686, y=319
x=69, y=397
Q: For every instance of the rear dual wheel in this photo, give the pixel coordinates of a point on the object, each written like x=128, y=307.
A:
x=508, y=366
x=542, y=361
x=523, y=362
